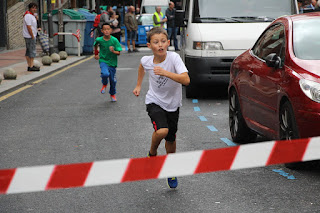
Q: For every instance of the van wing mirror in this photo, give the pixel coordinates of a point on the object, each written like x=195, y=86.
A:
x=272, y=60
x=179, y=19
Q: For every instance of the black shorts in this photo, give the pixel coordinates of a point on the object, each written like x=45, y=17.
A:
x=160, y=118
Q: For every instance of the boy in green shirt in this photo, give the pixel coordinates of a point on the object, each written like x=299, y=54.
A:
x=108, y=59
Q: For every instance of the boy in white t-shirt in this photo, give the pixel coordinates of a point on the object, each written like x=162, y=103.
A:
x=167, y=73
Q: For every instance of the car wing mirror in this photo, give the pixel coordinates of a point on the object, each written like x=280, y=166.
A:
x=179, y=19
x=272, y=60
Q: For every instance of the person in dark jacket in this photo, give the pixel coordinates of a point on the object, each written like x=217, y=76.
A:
x=171, y=28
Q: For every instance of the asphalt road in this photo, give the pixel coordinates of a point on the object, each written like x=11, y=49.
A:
x=65, y=119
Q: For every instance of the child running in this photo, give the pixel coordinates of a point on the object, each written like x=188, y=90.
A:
x=167, y=73
x=108, y=59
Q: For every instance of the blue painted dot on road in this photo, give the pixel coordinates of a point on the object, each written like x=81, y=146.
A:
x=228, y=142
x=196, y=109
x=202, y=118
x=284, y=174
x=212, y=128
x=195, y=101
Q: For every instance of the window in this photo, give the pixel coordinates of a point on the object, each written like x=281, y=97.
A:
x=306, y=41
x=272, y=41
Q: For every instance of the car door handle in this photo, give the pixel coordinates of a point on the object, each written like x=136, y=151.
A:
x=250, y=73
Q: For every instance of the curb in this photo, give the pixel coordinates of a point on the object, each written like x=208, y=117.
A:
x=10, y=85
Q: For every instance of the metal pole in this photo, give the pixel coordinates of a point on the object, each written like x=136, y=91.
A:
x=50, y=27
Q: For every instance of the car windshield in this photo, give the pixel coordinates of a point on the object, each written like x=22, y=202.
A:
x=217, y=11
x=145, y=19
x=306, y=42
x=152, y=9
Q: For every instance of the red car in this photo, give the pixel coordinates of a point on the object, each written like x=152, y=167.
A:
x=274, y=87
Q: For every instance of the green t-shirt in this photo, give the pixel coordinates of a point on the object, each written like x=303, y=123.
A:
x=105, y=55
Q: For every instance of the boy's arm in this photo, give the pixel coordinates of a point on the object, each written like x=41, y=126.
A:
x=96, y=52
x=182, y=78
x=111, y=48
x=141, y=73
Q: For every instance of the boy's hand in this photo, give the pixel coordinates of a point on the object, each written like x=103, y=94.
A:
x=111, y=48
x=96, y=57
x=136, y=91
x=159, y=71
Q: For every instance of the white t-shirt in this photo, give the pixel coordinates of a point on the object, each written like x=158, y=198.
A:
x=162, y=90
x=32, y=21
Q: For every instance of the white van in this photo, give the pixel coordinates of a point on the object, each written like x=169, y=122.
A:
x=215, y=32
x=148, y=6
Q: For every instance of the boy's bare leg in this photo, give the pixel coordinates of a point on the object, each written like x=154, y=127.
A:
x=157, y=137
x=170, y=147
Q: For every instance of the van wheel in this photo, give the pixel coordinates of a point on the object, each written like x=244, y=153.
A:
x=239, y=130
x=289, y=130
x=191, y=91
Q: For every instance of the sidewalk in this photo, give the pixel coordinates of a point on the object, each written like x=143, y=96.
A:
x=15, y=59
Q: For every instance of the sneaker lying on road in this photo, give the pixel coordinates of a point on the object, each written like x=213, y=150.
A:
x=113, y=98
x=173, y=182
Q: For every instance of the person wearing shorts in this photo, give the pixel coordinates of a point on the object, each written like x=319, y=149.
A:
x=30, y=34
x=130, y=21
x=160, y=118
x=167, y=74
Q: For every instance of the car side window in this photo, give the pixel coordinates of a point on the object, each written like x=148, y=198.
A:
x=272, y=41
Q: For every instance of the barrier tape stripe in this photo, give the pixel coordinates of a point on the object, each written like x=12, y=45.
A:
x=42, y=178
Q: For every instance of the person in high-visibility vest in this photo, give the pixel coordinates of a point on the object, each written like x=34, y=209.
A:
x=158, y=18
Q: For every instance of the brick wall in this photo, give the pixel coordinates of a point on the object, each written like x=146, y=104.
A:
x=15, y=24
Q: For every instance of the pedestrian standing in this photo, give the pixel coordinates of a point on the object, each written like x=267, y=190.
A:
x=110, y=49
x=158, y=18
x=171, y=28
x=30, y=33
x=167, y=73
x=131, y=23
x=115, y=25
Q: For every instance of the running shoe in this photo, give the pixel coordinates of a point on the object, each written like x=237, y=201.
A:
x=173, y=182
x=103, y=89
x=113, y=98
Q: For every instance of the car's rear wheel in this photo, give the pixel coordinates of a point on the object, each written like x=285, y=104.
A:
x=289, y=130
x=239, y=130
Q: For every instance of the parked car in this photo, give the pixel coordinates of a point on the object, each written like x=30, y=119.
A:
x=274, y=87
x=214, y=33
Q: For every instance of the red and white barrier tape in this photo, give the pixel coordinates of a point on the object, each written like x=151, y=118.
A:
x=42, y=178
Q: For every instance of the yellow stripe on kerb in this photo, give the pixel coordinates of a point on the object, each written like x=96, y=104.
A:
x=42, y=79
x=14, y=92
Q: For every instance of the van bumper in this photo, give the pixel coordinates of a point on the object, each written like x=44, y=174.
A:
x=208, y=70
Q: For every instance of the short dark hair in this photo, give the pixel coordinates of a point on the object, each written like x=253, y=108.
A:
x=105, y=24
x=156, y=30
x=32, y=4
